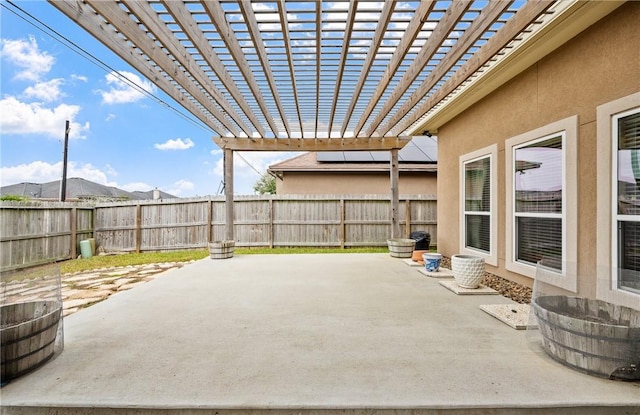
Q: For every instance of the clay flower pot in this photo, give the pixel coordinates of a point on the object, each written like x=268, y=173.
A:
x=417, y=255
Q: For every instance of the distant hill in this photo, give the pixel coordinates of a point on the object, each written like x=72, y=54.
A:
x=77, y=189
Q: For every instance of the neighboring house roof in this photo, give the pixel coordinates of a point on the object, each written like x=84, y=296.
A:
x=77, y=188
x=421, y=154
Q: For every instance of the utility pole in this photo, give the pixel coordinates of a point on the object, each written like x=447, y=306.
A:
x=63, y=184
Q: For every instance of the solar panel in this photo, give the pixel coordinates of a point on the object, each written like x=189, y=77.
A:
x=419, y=150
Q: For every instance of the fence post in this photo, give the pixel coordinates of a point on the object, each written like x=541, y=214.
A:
x=271, y=223
x=343, y=230
x=138, y=227
x=209, y=221
x=73, y=221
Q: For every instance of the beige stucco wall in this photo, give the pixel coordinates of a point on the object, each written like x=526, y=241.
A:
x=354, y=183
x=599, y=65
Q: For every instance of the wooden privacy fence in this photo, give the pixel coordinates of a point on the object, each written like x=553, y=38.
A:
x=47, y=231
x=35, y=233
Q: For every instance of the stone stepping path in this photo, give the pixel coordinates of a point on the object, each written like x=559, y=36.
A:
x=80, y=290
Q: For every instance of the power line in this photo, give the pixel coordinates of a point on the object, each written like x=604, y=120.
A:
x=54, y=34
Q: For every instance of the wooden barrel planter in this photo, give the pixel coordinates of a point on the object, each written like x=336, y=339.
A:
x=221, y=249
x=400, y=247
x=592, y=336
x=28, y=334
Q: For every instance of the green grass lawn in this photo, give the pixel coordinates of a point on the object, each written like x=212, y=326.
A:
x=107, y=261
x=123, y=260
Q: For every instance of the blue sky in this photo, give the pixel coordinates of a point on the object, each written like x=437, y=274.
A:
x=119, y=136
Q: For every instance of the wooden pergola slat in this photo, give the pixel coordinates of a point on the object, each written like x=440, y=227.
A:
x=411, y=33
x=284, y=24
x=254, y=31
x=116, y=15
x=216, y=13
x=184, y=19
x=438, y=36
x=86, y=18
x=487, y=17
x=351, y=15
x=385, y=16
x=512, y=28
x=153, y=23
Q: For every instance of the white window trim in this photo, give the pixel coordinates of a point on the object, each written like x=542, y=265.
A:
x=492, y=152
x=567, y=278
x=606, y=288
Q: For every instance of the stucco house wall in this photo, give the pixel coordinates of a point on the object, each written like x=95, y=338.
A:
x=358, y=183
x=599, y=65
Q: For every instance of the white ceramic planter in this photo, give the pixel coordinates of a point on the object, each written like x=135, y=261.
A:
x=468, y=270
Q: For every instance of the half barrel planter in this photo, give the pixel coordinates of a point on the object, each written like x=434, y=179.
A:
x=28, y=336
x=221, y=249
x=400, y=247
x=468, y=270
x=592, y=336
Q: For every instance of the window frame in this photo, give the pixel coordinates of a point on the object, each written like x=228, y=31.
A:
x=567, y=277
x=490, y=152
x=607, y=213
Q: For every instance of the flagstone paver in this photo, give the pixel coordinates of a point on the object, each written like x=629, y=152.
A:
x=83, y=289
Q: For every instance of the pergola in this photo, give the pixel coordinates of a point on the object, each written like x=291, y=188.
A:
x=317, y=75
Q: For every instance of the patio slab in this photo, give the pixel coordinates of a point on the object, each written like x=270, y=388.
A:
x=354, y=333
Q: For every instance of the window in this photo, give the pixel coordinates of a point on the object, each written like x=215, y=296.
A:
x=541, y=203
x=619, y=201
x=478, y=195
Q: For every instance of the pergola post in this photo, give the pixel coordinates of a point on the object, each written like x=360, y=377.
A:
x=395, y=195
x=228, y=194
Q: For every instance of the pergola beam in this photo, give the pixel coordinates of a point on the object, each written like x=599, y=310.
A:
x=216, y=13
x=145, y=13
x=351, y=15
x=438, y=36
x=86, y=18
x=254, y=31
x=412, y=31
x=511, y=29
x=286, y=37
x=488, y=15
x=312, y=144
x=184, y=19
x=123, y=22
x=385, y=16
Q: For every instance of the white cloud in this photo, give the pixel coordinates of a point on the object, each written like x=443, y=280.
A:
x=177, y=144
x=26, y=55
x=122, y=92
x=42, y=171
x=33, y=118
x=137, y=187
x=47, y=91
x=110, y=117
x=179, y=187
x=79, y=78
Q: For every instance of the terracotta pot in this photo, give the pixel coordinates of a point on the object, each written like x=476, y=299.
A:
x=417, y=255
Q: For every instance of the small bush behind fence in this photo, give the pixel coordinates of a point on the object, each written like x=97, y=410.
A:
x=175, y=224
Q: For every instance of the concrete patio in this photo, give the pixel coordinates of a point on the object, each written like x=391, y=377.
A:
x=347, y=333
